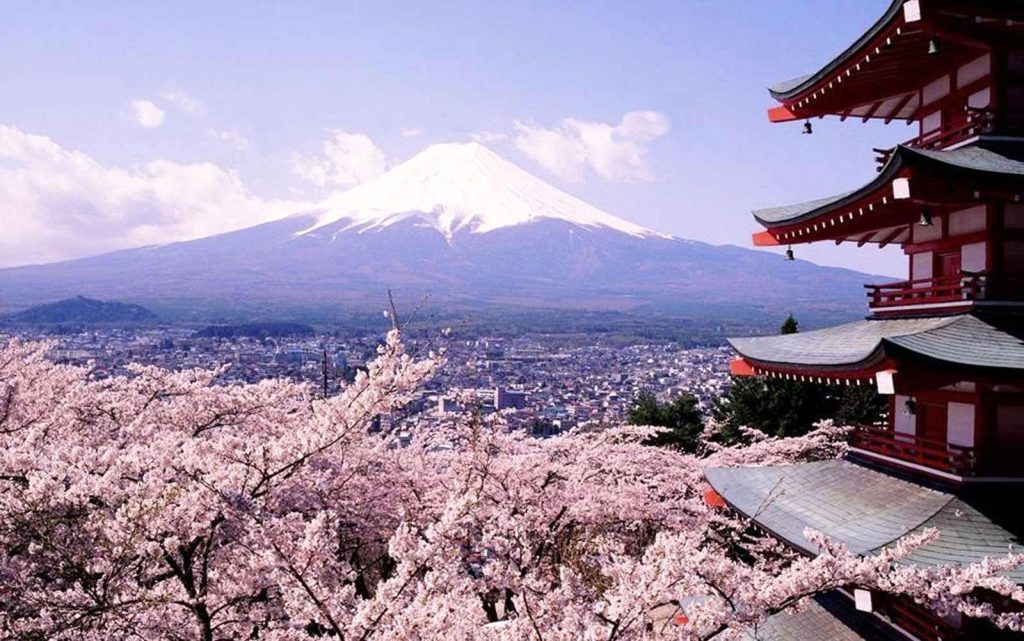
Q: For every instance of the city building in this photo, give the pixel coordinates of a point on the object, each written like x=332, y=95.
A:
x=505, y=399
x=946, y=344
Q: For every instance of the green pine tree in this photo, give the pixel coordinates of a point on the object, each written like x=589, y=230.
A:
x=681, y=415
x=791, y=408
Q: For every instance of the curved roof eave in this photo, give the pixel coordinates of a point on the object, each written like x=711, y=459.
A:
x=789, y=89
x=965, y=342
x=792, y=214
x=864, y=509
x=986, y=157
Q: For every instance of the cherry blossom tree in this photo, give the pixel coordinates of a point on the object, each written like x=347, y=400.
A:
x=167, y=505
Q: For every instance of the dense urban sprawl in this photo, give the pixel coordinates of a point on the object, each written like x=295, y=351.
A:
x=548, y=383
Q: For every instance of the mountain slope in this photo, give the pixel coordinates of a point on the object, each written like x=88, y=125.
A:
x=470, y=230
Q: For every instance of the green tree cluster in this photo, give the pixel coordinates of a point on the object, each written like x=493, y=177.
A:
x=791, y=408
x=681, y=415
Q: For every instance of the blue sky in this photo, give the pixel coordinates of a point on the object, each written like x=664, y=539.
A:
x=244, y=91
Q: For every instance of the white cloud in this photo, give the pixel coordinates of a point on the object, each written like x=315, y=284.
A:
x=575, y=148
x=231, y=136
x=58, y=203
x=410, y=132
x=184, y=102
x=348, y=159
x=484, y=137
x=147, y=114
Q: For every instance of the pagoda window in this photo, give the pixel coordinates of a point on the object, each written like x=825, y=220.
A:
x=960, y=424
x=932, y=123
x=903, y=421
x=980, y=99
x=973, y=257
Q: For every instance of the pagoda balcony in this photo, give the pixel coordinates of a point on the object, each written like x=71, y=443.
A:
x=946, y=458
x=943, y=292
x=974, y=123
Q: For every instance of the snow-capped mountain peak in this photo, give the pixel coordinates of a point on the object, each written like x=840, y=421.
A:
x=461, y=187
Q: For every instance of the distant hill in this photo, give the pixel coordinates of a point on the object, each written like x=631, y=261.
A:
x=256, y=330
x=81, y=310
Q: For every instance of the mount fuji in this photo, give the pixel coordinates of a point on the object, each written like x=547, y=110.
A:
x=458, y=224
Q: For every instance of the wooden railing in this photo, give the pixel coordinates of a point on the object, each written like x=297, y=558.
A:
x=973, y=123
x=936, y=455
x=967, y=286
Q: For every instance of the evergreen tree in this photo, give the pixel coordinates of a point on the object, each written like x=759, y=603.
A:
x=681, y=415
x=791, y=408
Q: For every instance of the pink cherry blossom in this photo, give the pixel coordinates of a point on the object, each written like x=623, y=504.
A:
x=167, y=505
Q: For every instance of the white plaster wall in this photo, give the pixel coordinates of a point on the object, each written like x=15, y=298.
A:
x=931, y=122
x=921, y=265
x=903, y=422
x=980, y=99
x=935, y=90
x=924, y=234
x=974, y=70
x=960, y=424
x=967, y=221
x=972, y=257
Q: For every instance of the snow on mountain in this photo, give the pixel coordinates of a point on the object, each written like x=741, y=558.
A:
x=457, y=187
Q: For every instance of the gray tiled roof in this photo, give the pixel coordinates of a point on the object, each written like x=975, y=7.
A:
x=964, y=340
x=861, y=508
x=795, y=211
x=986, y=156
x=990, y=157
x=828, y=617
x=791, y=88
x=784, y=87
x=968, y=341
x=784, y=90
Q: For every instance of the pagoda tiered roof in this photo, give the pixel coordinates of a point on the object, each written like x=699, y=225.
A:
x=860, y=349
x=879, y=75
x=883, y=210
x=863, y=509
x=827, y=617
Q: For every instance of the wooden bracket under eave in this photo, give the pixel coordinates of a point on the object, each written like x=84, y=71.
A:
x=740, y=367
x=782, y=113
x=765, y=239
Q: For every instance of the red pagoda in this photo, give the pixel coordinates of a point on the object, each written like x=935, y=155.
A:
x=946, y=344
